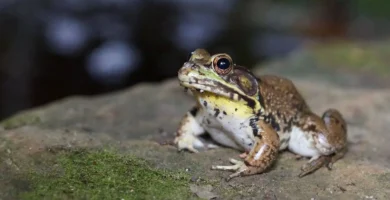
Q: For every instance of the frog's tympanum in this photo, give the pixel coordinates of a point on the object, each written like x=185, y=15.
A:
x=260, y=116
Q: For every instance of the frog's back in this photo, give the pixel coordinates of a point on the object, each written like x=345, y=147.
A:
x=280, y=94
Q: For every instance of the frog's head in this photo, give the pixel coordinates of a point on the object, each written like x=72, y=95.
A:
x=218, y=74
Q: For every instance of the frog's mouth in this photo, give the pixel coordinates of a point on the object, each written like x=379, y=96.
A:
x=199, y=86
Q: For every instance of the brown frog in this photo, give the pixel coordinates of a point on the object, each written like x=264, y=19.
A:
x=259, y=116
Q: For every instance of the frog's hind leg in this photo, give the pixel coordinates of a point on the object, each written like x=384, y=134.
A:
x=262, y=155
x=187, y=135
x=331, y=142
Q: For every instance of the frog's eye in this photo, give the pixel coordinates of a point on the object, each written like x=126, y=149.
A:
x=223, y=65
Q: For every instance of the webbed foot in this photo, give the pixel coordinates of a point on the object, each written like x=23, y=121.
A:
x=316, y=163
x=239, y=167
x=192, y=143
x=313, y=165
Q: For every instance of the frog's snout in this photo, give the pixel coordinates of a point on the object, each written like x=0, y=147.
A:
x=184, y=71
x=187, y=68
x=190, y=65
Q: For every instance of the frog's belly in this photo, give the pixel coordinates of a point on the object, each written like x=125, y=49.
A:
x=222, y=138
x=229, y=132
x=302, y=143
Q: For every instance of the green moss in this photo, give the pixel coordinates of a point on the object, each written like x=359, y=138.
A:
x=19, y=120
x=104, y=174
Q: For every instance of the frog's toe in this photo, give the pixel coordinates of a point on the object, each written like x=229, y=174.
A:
x=314, y=164
x=189, y=142
x=236, y=162
x=183, y=145
x=212, y=146
x=338, y=155
x=237, y=173
x=190, y=149
x=239, y=167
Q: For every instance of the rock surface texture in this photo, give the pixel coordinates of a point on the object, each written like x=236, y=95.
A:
x=138, y=120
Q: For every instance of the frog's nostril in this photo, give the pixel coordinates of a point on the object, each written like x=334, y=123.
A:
x=184, y=70
x=189, y=65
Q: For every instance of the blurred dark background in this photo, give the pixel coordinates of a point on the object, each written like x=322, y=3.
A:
x=50, y=49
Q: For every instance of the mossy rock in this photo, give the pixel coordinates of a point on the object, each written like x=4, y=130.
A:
x=20, y=119
x=104, y=174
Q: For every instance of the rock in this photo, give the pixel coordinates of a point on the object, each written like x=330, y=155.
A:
x=203, y=192
x=138, y=120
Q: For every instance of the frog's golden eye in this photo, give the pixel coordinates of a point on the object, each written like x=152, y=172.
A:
x=222, y=64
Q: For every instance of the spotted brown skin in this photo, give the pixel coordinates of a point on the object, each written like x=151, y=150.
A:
x=259, y=116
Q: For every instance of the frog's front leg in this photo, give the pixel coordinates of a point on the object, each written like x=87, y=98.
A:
x=262, y=155
x=331, y=140
x=188, y=132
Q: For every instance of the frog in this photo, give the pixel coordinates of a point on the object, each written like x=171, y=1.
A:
x=259, y=116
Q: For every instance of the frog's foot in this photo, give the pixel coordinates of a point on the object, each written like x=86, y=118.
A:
x=187, y=135
x=317, y=162
x=313, y=164
x=239, y=167
x=192, y=143
x=337, y=156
